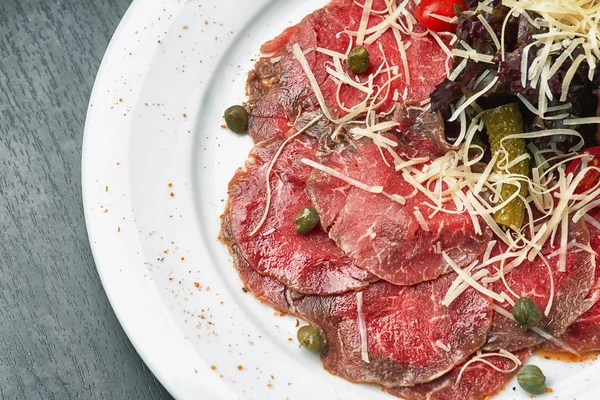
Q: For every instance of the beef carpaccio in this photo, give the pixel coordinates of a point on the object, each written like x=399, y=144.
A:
x=407, y=279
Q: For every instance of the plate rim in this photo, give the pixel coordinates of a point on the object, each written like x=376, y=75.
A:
x=132, y=334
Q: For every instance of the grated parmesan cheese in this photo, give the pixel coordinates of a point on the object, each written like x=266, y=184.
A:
x=469, y=279
x=442, y=346
x=340, y=176
x=421, y=220
x=362, y=328
x=480, y=357
x=489, y=29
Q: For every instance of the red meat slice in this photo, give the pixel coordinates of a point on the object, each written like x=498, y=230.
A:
x=264, y=288
x=478, y=381
x=278, y=89
x=584, y=335
x=531, y=279
x=403, y=325
x=378, y=233
x=308, y=263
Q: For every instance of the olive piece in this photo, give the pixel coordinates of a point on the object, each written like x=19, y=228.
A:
x=532, y=379
x=306, y=220
x=526, y=313
x=310, y=337
x=236, y=118
x=358, y=60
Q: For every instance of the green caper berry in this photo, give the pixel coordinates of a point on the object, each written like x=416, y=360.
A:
x=526, y=313
x=236, y=118
x=532, y=379
x=310, y=337
x=358, y=60
x=306, y=220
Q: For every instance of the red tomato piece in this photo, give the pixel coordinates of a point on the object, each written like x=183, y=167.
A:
x=427, y=13
x=591, y=178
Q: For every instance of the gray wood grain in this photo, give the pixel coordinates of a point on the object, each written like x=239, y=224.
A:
x=59, y=338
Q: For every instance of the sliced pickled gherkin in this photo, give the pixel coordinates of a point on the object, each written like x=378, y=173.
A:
x=501, y=122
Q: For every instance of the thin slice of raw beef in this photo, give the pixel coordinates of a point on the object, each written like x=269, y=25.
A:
x=264, y=288
x=532, y=279
x=478, y=381
x=380, y=234
x=308, y=263
x=583, y=336
x=410, y=337
x=279, y=90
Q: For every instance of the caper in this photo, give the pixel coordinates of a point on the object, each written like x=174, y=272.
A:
x=358, y=60
x=306, y=220
x=532, y=379
x=310, y=337
x=526, y=313
x=236, y=118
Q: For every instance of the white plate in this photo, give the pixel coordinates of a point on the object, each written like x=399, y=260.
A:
x=154, y=118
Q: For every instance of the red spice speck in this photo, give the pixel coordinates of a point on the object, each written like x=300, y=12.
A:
x=172, y=194
x=182, y=258
x=213, y=367
x=170, y=184
x=197, y=284
x=159, y=41
x=184, y=115
x=240, y=367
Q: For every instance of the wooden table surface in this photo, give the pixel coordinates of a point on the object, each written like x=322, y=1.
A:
x=59, y=338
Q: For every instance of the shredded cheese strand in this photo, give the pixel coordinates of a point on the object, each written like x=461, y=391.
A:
x=362, y=328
